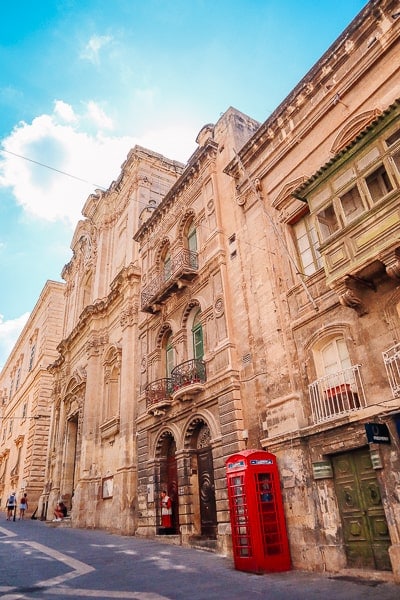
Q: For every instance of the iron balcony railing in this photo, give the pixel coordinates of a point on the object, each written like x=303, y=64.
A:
x=183, y=265
x=391, y=358
x=158, y=392
x=187, y=373
x=337, y=394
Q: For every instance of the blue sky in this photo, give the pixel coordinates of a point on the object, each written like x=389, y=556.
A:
x=81, y=82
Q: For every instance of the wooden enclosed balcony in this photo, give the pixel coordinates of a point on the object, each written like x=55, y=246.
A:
x=188, y=378
x=371, y=238
x=338, y=394
x=182, y=268
x=158, y=396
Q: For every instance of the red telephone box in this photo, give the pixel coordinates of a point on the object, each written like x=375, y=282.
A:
x=259, y=537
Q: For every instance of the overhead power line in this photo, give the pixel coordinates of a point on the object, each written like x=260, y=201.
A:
x=36, y=162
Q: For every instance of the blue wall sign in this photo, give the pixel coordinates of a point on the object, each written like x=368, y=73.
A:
x=377, y=433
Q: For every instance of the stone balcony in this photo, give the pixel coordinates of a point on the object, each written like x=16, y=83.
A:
x=187, y=380
x=182, y=269
x=158, y=395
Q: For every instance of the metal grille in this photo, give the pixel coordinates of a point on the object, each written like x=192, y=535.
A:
x=391, y=358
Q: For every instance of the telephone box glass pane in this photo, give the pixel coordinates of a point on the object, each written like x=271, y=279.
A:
x=267, y=509
x=241, y=537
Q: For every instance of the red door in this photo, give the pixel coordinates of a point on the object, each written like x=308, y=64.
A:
x=172, y=490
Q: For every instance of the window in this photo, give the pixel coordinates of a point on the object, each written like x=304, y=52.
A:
x=197, y=336
x=307, y=246
x=192, y=246
x=339, y=388
x=86, y=291
x=109, y=426
x=24, y=410
x=32, y=357
x=192, y=239
x=18, y=378
x=335, y=356
x=327, y=220
x=167, y=266
x=396, y=159
x=392, y=139
x=169, y=356
x=112, y=398
x=378, y=184
x=352, y=204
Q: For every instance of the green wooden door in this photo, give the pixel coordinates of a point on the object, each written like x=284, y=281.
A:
x=208, y=509
x=365, y=531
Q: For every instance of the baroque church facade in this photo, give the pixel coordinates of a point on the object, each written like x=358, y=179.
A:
x=247, y=299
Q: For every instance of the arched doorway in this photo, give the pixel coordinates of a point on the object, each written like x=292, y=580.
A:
x=203, y=460
x=70, y=460
x=168, y=479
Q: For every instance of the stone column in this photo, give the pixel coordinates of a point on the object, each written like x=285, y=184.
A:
x=129, y=393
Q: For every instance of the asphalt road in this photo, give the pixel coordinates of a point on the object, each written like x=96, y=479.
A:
x=46, y=562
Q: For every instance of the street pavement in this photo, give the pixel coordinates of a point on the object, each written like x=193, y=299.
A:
x=41, y=561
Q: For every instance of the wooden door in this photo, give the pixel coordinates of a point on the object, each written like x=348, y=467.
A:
x=208, y=509
x=365, y=530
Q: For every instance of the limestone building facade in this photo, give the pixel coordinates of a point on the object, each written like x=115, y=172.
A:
x=26, y=399
x=247, y=299
x=319, y=189
x=92, y=456
x=190, y=416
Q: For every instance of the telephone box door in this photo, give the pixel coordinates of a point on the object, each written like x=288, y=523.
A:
x=259, y=538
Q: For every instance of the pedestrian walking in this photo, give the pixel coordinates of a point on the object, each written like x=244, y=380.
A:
x=23, y=505
x=11, y=506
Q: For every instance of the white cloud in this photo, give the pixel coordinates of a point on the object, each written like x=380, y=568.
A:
x=9, y=333
x=65, y=111
x=98, y=116
x=49, y=194
x=62, y=142
x=93, y=47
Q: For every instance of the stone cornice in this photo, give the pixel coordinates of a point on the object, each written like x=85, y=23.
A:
x=326, y=83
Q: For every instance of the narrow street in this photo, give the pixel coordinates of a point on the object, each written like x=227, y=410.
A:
x=53, y=562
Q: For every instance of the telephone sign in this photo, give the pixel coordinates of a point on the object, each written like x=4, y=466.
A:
x=377, y=433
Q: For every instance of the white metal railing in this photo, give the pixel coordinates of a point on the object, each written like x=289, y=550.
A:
x=337, y=394
x=391, y=358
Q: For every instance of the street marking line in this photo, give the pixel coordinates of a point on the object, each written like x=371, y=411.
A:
x=60, y=591
x=78, y=567
x=7, y=532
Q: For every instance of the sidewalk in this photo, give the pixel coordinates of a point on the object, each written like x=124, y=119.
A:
x=56, y=562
